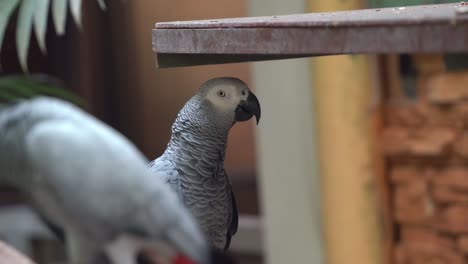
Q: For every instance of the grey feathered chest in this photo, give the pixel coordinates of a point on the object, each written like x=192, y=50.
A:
x=193, y=164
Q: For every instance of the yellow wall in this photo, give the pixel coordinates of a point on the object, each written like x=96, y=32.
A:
x=342, y=95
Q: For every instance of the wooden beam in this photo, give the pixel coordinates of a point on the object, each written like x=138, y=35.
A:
x=386, y=30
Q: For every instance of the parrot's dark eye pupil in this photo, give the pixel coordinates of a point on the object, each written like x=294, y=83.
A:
x=243, y=92
x=221, y=93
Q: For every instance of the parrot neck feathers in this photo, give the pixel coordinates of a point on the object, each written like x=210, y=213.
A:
x=196, y=134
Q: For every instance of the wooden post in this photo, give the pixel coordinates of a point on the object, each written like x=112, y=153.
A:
x=343, y=96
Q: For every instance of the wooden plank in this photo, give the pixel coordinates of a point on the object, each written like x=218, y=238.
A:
x=312, y=41
x=431, y=14
x=386, y=30
x=393, y=3
x=164, y=60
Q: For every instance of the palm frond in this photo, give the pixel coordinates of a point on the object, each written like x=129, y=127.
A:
x=23, y=30
x=36, y=12
x=40, y=22
x=6, y=9
x=102, y=4
x=59, y=14
x=75, y=7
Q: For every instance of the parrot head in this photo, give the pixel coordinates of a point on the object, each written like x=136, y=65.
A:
x=230, y=97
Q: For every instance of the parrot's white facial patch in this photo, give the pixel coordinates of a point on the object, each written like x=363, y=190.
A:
x=226, y=97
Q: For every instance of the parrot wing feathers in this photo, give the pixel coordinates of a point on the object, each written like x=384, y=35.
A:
x=234, y=220
x=72, y=145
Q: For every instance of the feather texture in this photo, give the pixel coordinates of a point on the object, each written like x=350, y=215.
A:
x=89, y=180
x=193, y=162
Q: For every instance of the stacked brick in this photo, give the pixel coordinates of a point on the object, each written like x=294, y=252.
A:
x=426, y=145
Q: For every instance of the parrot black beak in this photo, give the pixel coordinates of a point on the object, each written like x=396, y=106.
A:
x=248, y=108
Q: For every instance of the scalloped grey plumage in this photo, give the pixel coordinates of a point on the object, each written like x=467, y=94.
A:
x=193, y=162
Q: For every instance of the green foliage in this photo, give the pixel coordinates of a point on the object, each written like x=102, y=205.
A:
x=22, y=87
x=35, y=13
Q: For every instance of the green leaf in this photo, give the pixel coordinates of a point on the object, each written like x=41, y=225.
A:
x=11, y=91
x=23, y=31
x=6, y=9
x=75, y=7
x=40, y=22
x=17, y=87
x=102, y=4
x=59, y=14
x=7, y=96
x=19, y=92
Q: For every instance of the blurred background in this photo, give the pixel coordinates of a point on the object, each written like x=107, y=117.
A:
x=338, y=170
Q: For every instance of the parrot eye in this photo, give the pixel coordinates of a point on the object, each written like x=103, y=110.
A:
x=243, y=92
x=221, y=93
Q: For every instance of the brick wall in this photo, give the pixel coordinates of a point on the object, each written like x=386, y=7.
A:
x=426, y=146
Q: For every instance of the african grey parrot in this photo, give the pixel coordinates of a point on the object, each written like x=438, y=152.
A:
x=89, y=180
x=193, y=162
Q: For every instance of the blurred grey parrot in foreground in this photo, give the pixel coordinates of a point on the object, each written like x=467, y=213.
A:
x=90, y=181
x=193, y=162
